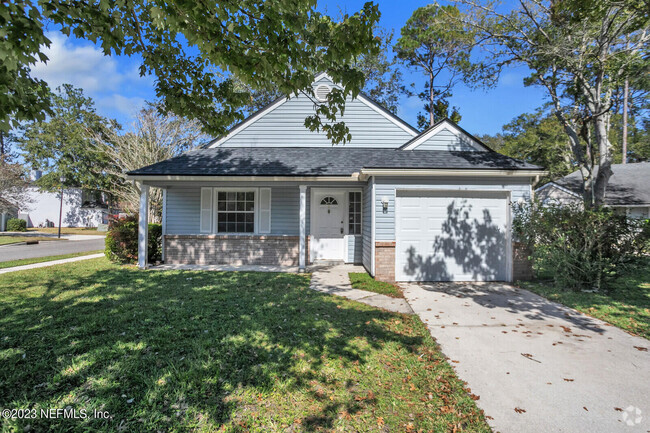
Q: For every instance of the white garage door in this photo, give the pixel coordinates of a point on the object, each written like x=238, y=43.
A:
x=452, y=236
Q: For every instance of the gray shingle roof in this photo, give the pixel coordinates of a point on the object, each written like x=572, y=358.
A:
x=325, y=161
x=629, y=185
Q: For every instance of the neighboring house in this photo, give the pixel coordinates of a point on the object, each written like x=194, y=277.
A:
x=628, y=189
x=80, y=208
x=409, y=206
x=7, y=211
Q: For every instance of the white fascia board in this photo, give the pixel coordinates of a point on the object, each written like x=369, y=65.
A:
x=365, y=173
x=246, y=123
x=444, y=124
x=561, y=188
x=182, y=178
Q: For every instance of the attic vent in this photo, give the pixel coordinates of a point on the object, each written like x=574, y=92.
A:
x=322, y=91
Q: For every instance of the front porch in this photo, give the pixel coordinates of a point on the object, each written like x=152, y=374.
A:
x=274, y=225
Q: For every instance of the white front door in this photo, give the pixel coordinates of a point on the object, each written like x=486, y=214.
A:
x=327, y=226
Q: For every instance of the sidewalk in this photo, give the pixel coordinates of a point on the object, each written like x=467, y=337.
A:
x=50, y=263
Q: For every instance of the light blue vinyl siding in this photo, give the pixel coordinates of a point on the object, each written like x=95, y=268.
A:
x=284, y=126
x=367, y=228
x=183, y=206
x=447, y=140
x=386, y=187
x=355, y=247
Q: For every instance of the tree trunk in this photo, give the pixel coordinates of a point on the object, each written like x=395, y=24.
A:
x=605, y=159
x=432, y=119
x=625, y=96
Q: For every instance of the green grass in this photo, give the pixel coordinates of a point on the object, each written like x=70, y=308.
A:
x=216, y=351
x=625, y=303
x=21, y=262
x=12, y=239
x=69, y=230
x=363, y=281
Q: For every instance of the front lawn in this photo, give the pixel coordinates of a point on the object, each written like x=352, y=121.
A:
x=626, y=303
x=22, y=262
x=363, y=281
x=208, y=351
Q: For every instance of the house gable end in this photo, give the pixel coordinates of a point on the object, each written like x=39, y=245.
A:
x=282, y=124
x=446, y=135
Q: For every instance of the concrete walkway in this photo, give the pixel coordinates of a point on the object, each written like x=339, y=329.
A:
x=334, y=280
x=538, y=366
x=50, y=263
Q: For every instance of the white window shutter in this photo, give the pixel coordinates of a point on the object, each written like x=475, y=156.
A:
x=206, y=210
x=265, y=210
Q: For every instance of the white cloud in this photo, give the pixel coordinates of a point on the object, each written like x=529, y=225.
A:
x=127, y=106
x=83, y=66
x=112, y=81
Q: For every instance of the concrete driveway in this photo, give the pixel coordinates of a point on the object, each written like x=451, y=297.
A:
x=538, y=366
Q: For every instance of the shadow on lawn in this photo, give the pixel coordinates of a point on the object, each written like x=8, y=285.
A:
x=182, y=345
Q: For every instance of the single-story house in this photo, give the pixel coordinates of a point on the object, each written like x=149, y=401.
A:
x=81, y=208
x=628, y=189
x=409, y=206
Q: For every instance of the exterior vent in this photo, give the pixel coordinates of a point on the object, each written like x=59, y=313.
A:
x=321, y=92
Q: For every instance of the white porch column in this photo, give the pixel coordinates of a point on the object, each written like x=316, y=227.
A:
x=303, y=228
x=143, y=226
x=164, y=222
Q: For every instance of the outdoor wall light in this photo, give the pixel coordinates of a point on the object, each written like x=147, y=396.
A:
x=384, y=204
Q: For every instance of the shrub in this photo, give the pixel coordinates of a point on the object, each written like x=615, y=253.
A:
x=122, y=241
x=16, y=225
x=580, y=248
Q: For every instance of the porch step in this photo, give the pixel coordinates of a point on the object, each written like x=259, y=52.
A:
x=327, y=262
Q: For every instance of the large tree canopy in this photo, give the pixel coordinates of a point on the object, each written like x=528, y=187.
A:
x=581, y=52
x=62, y=145
x=188, y=45
x=435, y=41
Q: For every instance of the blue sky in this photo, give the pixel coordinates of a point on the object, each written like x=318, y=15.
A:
x=118, y=90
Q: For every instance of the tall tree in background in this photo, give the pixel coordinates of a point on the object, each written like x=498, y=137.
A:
x=580, y=52
x=61, y=145
x=435, y=41
x=537, y=138
x=154, y=138
x=382, y=75
x=384, y=79
x=181, y=43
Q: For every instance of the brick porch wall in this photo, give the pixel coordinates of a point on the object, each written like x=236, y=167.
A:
x=522, y=267
x=231, y=250
x=385, y=261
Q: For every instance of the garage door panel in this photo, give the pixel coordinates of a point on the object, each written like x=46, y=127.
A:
x=455, y=238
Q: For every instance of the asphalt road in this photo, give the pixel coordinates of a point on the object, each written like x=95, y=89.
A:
x=49, y=248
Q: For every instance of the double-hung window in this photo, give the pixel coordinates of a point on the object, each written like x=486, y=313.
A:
x=235, y=211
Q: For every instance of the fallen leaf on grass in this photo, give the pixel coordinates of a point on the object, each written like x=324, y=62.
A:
x=475, y=397
x=380, y=421
x=520, y=410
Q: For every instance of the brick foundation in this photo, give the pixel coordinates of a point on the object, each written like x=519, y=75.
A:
x=385, y=261
x=232, y=250
x=522, y=267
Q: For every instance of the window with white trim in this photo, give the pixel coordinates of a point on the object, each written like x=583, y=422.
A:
x=235, y=211
x=354, y=213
